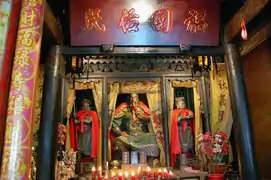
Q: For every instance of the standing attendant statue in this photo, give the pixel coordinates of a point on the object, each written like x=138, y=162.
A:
x=182, y=137
x=85, y=132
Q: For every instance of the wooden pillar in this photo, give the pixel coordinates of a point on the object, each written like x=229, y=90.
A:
x=206, y=120
x=16, y=161
x=242, y=122
x=9, y=19
x=165, y=120
x=104, y=124
x=50, y=115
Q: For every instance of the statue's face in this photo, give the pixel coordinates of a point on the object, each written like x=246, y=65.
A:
x=134, y=100
x=180, y=104
x=85, y=106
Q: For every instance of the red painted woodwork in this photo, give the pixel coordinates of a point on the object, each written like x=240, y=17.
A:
x=6, y=67
x=126, y=22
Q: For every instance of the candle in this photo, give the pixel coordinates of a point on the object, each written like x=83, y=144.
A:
x=160, y=172
x=139, y=172
x=165, y=173
x=100, y=177
x=93, y=172
x=170, y=175
x=120, y=176
x=133, y=175
x=148, y=172
x=155, y=175
x=99, y=169
x=126, y=175
x=113, y=175
x=105, y=178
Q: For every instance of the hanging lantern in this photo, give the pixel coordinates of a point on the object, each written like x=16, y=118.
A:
x=74, y=62
x=243, y=30
x=201, y=63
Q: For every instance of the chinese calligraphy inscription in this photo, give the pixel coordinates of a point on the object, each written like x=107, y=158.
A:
x=92, y=18
x=129, y=21
x=196, y=22
x=162, y=19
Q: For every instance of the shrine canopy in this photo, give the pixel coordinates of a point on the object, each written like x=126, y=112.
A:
x=144, y=22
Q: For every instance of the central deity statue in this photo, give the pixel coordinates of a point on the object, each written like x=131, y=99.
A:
x=132, y=129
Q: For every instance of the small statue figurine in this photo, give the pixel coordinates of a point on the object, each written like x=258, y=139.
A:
x=86, y=137
x=182, y=138
x=131, y=129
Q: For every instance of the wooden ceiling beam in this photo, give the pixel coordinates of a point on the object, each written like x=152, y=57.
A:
x=51, y=23
x=248, y=11
x=255, y=39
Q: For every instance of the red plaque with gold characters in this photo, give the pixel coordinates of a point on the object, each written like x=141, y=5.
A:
x=145, y=22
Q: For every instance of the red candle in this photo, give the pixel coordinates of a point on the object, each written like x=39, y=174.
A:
x=139, y=173
x=170, y=175
x=133, y=176
x=99, y=170
x=148, y=172
x=113, y=175
x=165, y=173
x=100, y=177
x=155, y=175
x=93, y=172
x=120, y=176
x=126, y=175
x=105, y=178
x=160, y=172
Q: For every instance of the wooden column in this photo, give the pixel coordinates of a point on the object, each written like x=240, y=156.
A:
x=50, y=115
x=165, y=120
x=206, y=120
x=242, y=122
x=104, y=123
x=16, y=161
x=9, y=20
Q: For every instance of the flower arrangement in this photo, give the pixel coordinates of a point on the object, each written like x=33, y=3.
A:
x=66, y=167
x=215, y=146
x=61, y=134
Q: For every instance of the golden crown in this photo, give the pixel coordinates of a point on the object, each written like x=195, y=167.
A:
x=177, y=99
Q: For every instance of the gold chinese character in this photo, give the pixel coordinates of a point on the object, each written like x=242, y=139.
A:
x=18, y=106
x=17, y=81
x=33, y=3
x=92, y=16
x=21, y=59
x=28, y=17
x=196, y=22
x=25, y=38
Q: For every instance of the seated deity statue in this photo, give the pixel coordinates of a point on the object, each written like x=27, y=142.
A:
x=85, y=132
x=182, y=133
x=132, y=128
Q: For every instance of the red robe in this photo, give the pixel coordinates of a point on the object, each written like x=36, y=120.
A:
x=74, y=128
x=175, y=139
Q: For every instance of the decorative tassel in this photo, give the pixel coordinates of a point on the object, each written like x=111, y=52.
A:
x=243, y=30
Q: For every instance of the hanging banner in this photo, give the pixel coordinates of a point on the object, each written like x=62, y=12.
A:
x=144, y=22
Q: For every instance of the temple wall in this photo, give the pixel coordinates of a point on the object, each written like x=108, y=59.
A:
x=257, y=72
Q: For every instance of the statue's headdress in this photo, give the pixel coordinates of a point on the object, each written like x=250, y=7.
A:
x=134, y=95
x=177, y=99
x=85, y=101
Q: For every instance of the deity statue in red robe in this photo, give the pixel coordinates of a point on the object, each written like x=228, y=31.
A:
x=182, y=130
x=84, y=131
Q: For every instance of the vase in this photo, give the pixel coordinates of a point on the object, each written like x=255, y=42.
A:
x=216, y=177
x=217, y=168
